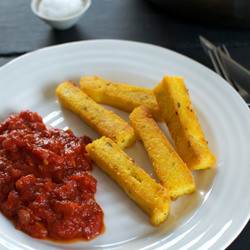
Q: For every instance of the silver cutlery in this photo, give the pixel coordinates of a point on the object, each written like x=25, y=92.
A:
x=234, y=73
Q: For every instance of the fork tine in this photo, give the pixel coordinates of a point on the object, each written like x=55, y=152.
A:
x=222, y=67
x=238, y=87
x=224, y=48
x=214, y=55
x=211, y=50
x=214, y=62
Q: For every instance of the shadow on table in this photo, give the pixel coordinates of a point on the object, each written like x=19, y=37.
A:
x=65, y=36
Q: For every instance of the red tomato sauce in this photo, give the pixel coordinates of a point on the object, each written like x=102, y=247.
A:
x=45, y=183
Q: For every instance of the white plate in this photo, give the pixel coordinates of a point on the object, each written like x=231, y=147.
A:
x=214, y=215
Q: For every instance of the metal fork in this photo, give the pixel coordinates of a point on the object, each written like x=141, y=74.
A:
x=214, y=55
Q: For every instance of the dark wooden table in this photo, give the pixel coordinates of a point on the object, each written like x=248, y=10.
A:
x=21, y=32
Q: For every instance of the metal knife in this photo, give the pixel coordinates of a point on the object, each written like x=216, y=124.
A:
x=233, y=69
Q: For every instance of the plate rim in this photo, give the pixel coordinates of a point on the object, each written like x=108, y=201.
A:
x=40, y=50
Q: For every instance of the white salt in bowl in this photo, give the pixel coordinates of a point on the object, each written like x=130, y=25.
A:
x=56, y=21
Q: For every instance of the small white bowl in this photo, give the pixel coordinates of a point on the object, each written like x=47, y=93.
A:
x=60, y=23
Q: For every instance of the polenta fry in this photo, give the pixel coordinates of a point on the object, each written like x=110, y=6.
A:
x=152, y=197
x=121, y=96
x=171, y=171
x=179, y=115
x=103, y=121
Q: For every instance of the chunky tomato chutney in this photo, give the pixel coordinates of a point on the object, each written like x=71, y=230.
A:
x=45, y=183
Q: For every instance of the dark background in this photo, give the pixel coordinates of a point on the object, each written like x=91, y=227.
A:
x=137, y=20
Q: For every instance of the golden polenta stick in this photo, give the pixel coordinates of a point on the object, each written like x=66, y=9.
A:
x=119, y=95
x=178, y=113
x=103, y=121
x=152, y=197
x=169, y=167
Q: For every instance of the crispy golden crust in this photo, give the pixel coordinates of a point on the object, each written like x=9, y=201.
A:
x=120, y=96
x=178, y=113
x=152, y=197
x=169, y=167
x=103, y=121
